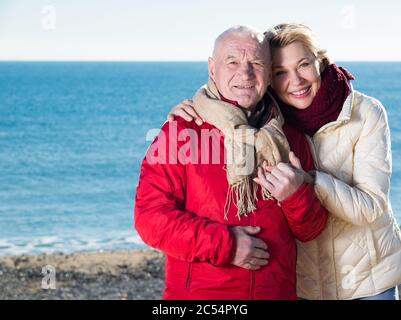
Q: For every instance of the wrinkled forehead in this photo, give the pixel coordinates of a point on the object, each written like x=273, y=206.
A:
x=240, y=46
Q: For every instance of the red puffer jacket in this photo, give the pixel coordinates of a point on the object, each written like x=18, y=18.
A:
x=180, y=211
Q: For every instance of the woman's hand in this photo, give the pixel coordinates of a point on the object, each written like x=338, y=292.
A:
x=186, y=111
x=284, y=179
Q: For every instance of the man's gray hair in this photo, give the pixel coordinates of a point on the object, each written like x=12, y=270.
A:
x=240, y=30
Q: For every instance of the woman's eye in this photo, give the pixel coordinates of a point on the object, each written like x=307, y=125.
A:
x=279, y=73
x=304, y=65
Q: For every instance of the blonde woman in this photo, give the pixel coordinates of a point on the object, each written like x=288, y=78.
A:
x=358, y=256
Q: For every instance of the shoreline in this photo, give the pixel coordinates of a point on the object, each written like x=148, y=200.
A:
x=115, y=275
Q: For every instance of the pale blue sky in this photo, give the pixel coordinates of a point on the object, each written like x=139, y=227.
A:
x=185, y=30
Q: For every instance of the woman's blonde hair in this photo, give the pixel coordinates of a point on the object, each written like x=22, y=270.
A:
x=286, y=33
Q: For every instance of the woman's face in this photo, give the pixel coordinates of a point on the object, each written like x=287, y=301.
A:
x=296, y=75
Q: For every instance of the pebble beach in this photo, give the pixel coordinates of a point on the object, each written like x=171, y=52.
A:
x=129, y=275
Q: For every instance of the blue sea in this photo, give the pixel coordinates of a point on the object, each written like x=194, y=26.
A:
x=73, y=136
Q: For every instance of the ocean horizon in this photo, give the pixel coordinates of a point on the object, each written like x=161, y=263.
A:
x=73, y=136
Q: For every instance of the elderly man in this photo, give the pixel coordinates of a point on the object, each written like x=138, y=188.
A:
x=223, y=237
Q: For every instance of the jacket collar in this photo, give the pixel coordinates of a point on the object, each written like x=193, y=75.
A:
x=345, y=114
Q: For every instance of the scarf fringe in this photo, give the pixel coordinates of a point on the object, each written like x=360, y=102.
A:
x=244, y=195
x=266, y=195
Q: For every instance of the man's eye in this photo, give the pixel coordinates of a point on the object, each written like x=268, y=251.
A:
x=279, y=73
x=232, y=62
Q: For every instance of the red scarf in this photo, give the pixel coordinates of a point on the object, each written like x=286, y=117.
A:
x=327, y=104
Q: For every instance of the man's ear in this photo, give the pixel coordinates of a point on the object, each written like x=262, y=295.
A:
x=211, y=68
x=269, y=71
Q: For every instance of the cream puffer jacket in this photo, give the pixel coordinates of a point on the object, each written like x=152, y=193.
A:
x=359, y=252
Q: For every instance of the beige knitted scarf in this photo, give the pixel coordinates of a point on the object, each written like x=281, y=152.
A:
x=246, y=147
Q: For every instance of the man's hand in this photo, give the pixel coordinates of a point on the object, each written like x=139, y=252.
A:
x=284, y=179
x=186, y=111
x=250, y=251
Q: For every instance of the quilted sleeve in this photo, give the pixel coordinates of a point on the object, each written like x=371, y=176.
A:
x=367, y=198
x=160, y=215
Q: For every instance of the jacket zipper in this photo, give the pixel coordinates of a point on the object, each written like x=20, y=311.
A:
x=312, y=147
x=251, y=272
x=188, y=276
x=316, y=162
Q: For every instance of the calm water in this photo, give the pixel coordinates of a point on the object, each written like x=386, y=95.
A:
x=72, y=137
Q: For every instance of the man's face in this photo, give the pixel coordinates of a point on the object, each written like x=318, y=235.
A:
x=240, y=69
